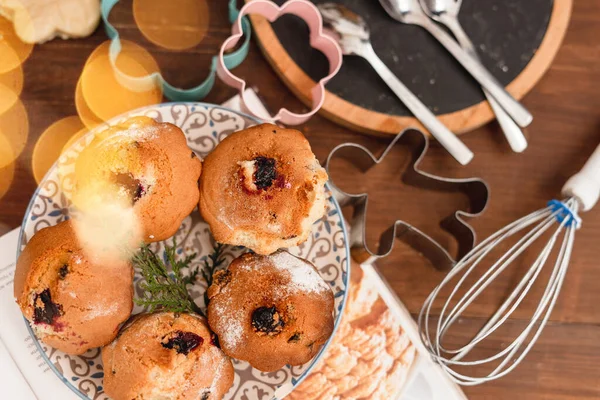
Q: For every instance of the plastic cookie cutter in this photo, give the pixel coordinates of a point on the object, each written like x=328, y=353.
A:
x=148, y=82
x=475, y=189
x=318, y=40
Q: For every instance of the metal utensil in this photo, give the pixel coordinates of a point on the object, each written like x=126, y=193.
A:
x=410, y=12
x=581, y=192
x=353, y=36
x=475, y=189
x=446, y=13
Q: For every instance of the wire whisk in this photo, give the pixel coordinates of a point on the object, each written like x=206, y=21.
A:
x=581, y=193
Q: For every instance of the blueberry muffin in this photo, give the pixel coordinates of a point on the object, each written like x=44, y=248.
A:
x=73, y=302
x=143, y=165
x=166, y=356
x=270, y=310
x=262, y=188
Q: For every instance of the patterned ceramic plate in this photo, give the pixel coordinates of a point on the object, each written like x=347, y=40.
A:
x=204, y=125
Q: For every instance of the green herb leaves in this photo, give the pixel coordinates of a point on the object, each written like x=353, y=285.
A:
x=165, y=281
x=164, y=289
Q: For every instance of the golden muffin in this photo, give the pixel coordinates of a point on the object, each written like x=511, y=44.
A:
x=271, y=310
x=262, y=188
x=73, y=302
x=144, y=165
x=166, y=356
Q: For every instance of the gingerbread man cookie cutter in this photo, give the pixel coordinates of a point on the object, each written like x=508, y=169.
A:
x=318, y=40
x=475, y=189
x=148, y=82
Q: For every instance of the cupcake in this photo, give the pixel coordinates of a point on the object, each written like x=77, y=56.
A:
x=143, y=165
x=270, y=310
x=73, y=302
x=166, y=356
x=262, y=188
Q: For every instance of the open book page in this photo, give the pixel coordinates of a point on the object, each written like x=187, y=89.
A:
x=427, y=381
x=376, y=353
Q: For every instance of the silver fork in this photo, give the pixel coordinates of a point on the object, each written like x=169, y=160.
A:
x=446, y=13
x=410, y=12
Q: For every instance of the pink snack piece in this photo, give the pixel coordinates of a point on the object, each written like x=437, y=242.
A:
x=318, y=40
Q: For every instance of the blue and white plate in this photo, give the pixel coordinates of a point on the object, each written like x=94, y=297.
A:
x=204, y=125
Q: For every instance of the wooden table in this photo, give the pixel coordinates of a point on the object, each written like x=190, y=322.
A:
x=566, y=106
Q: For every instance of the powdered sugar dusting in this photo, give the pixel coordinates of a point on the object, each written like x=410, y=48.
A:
x=217, y=377
x=232, y=334
x=303, y=277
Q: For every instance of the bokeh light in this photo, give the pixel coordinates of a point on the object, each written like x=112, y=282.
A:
x=13, y=52
x=51, y=143
x=14, y=130
x=8, y=98
x=87, y=116
x=7, y=172
x=13, y=80
x=104, y=96
x=75, y=138
x=172, y=24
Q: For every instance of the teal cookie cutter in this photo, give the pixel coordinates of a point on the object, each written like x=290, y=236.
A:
x=144, y=83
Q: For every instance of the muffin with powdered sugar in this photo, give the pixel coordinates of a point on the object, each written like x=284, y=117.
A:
x=142, y=165
x=271, y=310
x=74, y=300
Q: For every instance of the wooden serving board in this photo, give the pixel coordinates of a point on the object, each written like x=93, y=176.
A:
x=516, y=39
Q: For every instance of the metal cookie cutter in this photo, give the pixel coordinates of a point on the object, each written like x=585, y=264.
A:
x=318, y=40
x=143, y=83
x=475, y=188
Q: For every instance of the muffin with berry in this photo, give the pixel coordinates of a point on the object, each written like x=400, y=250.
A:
x=262, y=188
x=73, y=302
x=270, y=310
x=166, y=356
x=143, y=165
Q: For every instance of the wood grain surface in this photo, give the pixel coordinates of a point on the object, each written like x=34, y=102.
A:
x=566, y=129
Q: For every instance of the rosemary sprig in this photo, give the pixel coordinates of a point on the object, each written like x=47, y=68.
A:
x=164, y=289
x=167, y=290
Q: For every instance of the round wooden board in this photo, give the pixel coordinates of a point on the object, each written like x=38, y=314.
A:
x=366, y=120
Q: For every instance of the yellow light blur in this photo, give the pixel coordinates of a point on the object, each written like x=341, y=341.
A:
x=50, y=144
x=14, y=128
x=107, y=218
x=173, y=24
x=87, y=116
x=8, y=171
x=75, y=138
x=13, y=80
x=104, y=96
x=8, y=98
x=13, y=52
x=130, y=49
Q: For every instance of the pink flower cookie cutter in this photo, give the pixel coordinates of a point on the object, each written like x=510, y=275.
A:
x=318, y=40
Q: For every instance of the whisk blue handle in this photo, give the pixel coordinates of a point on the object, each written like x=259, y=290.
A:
x=565, y=213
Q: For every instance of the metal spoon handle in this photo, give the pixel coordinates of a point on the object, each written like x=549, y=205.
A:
x=515, y=137
x=455, y=146
x=517, y=112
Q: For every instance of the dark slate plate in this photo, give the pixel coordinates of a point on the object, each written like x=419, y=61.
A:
x=507, y=34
